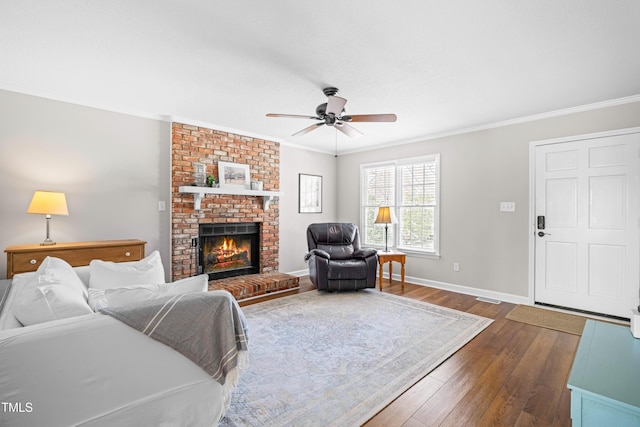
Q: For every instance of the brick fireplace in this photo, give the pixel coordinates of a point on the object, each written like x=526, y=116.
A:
x=198, y=144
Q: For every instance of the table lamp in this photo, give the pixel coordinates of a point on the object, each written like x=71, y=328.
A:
x=386, y=216
x=48, y=203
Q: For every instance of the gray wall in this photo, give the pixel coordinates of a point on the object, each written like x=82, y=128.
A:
x=478, y=171
x=114, y=168
x=293, y=225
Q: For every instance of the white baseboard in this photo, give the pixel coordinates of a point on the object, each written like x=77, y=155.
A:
x=467, y=290
x=298, y=273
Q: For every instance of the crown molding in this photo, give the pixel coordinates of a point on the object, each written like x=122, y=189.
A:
x=510, y=122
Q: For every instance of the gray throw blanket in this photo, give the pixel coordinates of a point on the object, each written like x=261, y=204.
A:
x=209, y=328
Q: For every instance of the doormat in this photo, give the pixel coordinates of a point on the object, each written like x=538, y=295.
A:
x=545, y=318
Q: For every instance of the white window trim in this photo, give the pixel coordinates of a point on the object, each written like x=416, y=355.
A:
x=396, y=163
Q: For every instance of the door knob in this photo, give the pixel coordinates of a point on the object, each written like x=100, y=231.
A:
x=542, y=233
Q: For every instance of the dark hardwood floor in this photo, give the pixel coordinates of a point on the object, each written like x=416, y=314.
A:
x=511, y=374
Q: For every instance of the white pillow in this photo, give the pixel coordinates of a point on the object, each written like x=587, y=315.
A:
x=50, y=302
x=30, y=305
x=136, y=295
x=19, y=284
x=108, y=275
x=54, y=271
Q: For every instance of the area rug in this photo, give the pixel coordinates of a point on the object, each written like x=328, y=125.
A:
x=336, y=359
x=549, y=319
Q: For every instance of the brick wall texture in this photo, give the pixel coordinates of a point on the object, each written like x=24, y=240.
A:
x=197, y=144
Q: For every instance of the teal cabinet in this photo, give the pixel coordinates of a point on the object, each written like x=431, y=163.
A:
x=605, y=377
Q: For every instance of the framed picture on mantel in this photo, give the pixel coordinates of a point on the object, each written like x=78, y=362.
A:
x=234, y=175
x=309, y=193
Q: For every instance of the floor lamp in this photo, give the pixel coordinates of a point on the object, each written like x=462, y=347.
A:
x=386, y=216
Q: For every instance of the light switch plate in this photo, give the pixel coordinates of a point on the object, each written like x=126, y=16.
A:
x=507, y=206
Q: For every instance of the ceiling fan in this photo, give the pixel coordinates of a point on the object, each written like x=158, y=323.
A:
x=332, y=113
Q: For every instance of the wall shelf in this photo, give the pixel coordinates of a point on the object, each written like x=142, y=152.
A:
x=199, y=193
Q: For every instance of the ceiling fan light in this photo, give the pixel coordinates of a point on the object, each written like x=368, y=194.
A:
x=332, y=113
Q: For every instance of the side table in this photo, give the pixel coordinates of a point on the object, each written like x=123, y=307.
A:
x=389, y=257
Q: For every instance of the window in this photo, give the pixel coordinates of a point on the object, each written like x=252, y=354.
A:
x=379, y=184
x=411, y=187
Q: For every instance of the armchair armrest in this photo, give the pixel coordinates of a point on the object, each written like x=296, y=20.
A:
x=365, y=253
x=317, y=252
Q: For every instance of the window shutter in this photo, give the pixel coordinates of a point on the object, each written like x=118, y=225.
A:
x=417, y=205
x=379, y=190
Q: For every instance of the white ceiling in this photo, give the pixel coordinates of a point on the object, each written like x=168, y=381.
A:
x=441, y=66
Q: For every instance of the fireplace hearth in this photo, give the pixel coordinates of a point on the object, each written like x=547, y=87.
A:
x=228, y=249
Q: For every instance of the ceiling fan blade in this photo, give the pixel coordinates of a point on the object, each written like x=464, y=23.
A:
x=348, y=130
x=292, y=116
x=335, y=105
x=370, y=118
x=308, y=129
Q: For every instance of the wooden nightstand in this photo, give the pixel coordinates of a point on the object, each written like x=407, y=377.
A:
x=26, y=258
x=389, y=257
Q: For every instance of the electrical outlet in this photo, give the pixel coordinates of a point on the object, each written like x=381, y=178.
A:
x=456, y=266
x=162, y=206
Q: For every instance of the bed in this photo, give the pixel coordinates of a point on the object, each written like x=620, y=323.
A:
x=95, y=369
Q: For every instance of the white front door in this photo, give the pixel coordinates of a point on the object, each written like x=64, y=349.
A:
x=587, y=231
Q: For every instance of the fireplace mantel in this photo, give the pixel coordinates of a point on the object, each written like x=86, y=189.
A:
x=199, y=193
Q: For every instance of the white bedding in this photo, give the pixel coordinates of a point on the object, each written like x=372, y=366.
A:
x=95, y=371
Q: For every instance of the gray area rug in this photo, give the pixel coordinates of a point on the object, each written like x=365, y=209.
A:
x=336, y=359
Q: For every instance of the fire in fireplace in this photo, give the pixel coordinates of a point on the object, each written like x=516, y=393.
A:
x=228, y=249
x=223, y=253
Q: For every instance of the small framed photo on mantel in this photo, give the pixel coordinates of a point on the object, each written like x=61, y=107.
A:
x=234, y=175
x=309, y=193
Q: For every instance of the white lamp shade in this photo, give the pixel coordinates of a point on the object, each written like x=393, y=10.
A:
x=48, y=203
x=386, y=215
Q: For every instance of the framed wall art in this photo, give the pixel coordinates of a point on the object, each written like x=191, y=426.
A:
x=309, y=193
x=234, y=175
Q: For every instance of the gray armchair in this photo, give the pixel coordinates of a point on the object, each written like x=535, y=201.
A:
x=336, y=260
